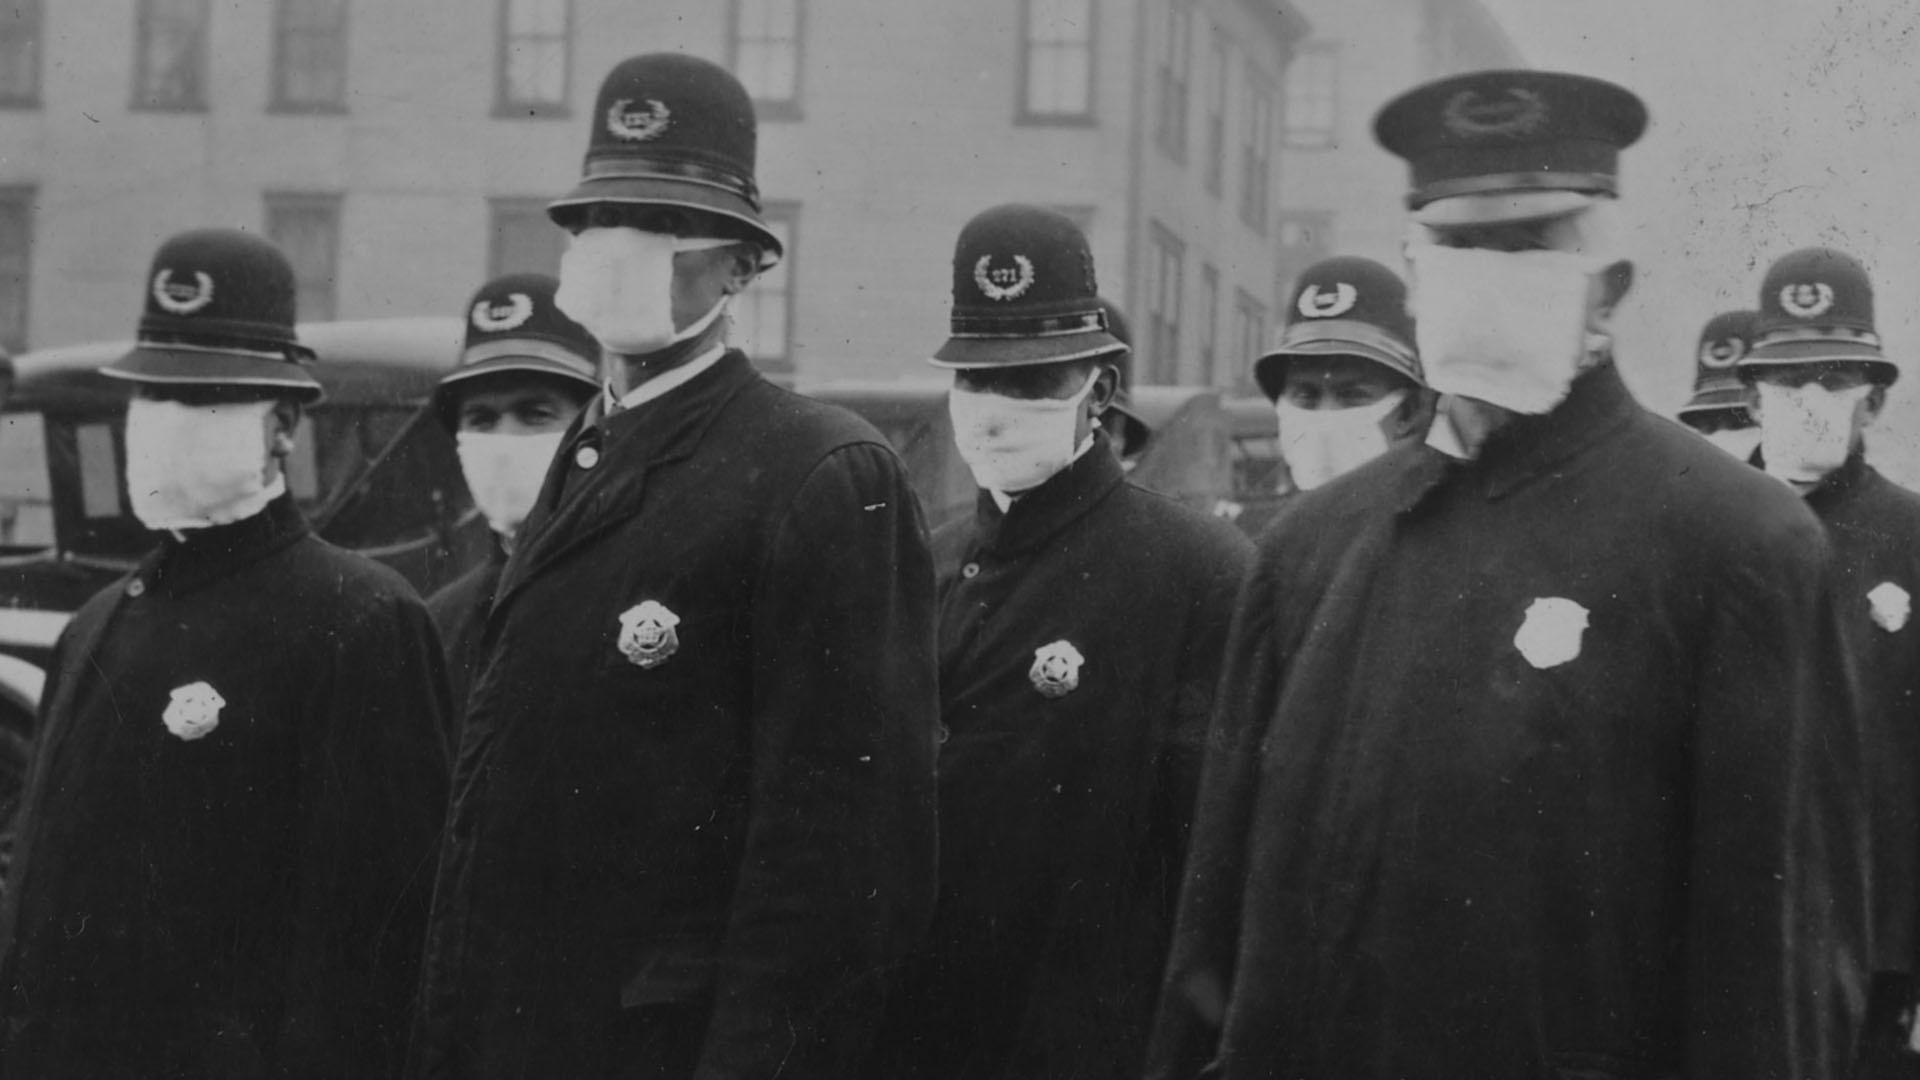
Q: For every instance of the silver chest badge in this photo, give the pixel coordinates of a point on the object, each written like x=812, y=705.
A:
x=194, y=711
x=1056, y=669
x=1551, y=634
x=647, y=635
x=1890, y=606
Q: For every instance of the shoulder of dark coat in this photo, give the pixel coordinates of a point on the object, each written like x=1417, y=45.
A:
x=1896, y=502
x=351, y=578
x=1706, y=497
x=803, y=428
x=452, y=601
x=1182, y=532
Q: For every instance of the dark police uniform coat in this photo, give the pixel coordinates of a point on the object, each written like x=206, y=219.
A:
x=1872, y=524
x=459, y=611
x=1538, y=765
x=701, y=864
x=1064, y=802
x=250, y=902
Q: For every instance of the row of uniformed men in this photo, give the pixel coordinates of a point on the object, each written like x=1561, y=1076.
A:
x=1531, y=746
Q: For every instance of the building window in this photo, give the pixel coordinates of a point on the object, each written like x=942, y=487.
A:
x=170, y=61
x=521, y=239
x=20, y=54
x=1164, y=286
x=1175, y=74
x=1249, y=332
x=1305, y=238
x=310, y=56
x=1219, y=57
x=1256, y=150
x=766, y=55
x=16, y=262
x=1056, y=62
x=1208, y=373
x=762, y=314
x=307, y=230
x=1312, y=92
x=534, y=55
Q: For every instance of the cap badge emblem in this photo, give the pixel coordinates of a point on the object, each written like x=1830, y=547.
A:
x=1003, y=283
x=1315, y=304
x=1551, y=632
x=1890, y=606
x=194, y=711
x=180, y=298
x=637, y=125
x=1807, y=300
x=494, y=316
x=1056, y=669
x=1517, y=112
x=1723, y=353
x=647, y=634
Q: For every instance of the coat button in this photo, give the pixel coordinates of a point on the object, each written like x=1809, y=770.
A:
x=943, y=735
x=970, y=571
x=586, y=457
x=137, y=588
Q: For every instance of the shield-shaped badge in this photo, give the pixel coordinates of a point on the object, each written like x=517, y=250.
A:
x=647, y=635
x=1056, y=669
x=194, y=711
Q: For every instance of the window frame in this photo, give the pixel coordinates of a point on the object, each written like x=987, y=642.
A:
x=1208, y=353
x=781, y=213
x=1166, y=249
x=1250, y=324
x=505, y=107
x=143, y=28
x=1256, y=170
x=1319, y=137
x=1023, y=113
x=765, y=108
x=22, y=196
x=1173, y=81
x=1219, y=95
x=35, y=28
x=280, y=101
x=332, y=202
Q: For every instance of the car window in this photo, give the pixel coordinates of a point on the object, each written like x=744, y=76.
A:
x=26, y=493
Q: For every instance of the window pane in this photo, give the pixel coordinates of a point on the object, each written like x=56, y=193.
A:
x=1059, y=57
x=26, y=495
x=534, y=53
x=172, y=53
x=20, y=51
x=16, y=258
x=760, y=314
x=99, y=477
x=313, y=53
x=536, y=17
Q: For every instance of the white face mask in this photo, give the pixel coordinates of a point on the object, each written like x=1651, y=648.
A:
x=1739, y=442
x=1806, y=431
x=1506, y=328
x=1320, y=444
x=618, y=283
x=192, y=466
x=1015, y=444
x=504, y=473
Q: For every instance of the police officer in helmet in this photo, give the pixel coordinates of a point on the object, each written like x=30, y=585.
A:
x=1718, y=408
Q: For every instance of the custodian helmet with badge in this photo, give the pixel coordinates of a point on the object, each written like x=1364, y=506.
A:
x=1500, y=146
x=673, y=130
x=1724, y=342
x=514, y=327
x=1344, y=306
x=1024, y=293
x=1816, y=305
x=219, y=313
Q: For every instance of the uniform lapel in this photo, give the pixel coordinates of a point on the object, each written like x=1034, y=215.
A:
x=577, y=505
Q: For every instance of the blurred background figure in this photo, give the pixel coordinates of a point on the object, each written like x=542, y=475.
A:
x=1718, y=407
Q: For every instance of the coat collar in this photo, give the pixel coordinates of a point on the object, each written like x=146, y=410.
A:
x=1837, y=486
x=574, y=505
x=1531, y=446
x=1038, y=515
x=199, y=557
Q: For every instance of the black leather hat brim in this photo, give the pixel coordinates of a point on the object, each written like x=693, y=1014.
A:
x=159, y=365
x=996, y=352
x=650, y=192
x=1270, y=370
x=1714, y=398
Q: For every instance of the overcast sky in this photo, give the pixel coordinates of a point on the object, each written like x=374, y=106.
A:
x=1776, y=124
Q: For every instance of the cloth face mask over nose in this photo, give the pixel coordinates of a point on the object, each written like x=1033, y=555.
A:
x=193, y=466
x=1015, y=444
x=504, y=473
x=1506, y=328
x=1320, y=444
x=1806, y=431
x=618, y=283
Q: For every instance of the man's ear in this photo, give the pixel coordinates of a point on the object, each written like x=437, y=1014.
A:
x=1106, y=384
x=744, y=268
x=282, y=422
x=1615, y=281
x=1876, y=400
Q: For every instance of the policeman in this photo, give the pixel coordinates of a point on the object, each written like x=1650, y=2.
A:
x=1536, y=755
x=524, y=373
x=694, y=817
x=1081, y=619
x=1128, y=433
x=1718, y=407
x=240, y=769
x=1344, y=377
x=1820, y=377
